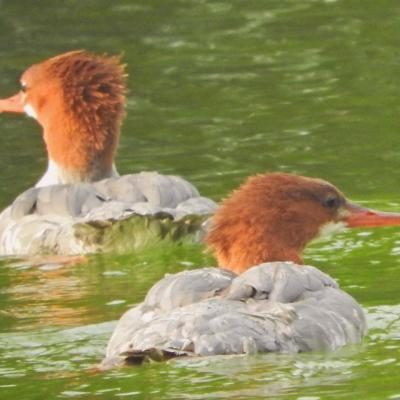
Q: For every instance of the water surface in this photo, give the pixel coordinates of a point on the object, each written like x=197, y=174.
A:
x=219, y=90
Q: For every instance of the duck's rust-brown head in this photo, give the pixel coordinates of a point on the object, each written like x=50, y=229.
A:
x=79, y=99
x=272, y=217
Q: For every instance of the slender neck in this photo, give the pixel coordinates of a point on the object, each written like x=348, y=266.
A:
x=241, y=256
x=78, y=150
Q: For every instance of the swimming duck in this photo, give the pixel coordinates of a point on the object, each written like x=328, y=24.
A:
x=262, y=298
x=81, y=204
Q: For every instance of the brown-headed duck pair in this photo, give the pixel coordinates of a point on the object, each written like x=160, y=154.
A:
x=261, y=299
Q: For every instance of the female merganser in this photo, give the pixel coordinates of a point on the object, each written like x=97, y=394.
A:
x=276, y=304
x=79, y=100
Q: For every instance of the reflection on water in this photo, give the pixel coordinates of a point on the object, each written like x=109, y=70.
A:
x=44, y=295
x=219, y=90
x=38, y=293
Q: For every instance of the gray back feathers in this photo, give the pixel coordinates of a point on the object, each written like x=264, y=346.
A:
x=55, y=212
x=273, y=307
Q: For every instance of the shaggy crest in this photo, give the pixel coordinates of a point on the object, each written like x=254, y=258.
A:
x=80, y=101
x=271, y=217
x=93, y=88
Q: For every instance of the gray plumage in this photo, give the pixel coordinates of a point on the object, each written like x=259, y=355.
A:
x=61, y=218
x=273, y=307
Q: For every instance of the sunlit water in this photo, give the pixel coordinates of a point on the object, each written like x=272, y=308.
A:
x=219, y=90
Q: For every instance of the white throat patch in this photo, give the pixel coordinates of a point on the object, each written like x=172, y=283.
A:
x=329, y=229
x=30, y=111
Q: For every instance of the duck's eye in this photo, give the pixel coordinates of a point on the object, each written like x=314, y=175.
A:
x=23, y=87
x=332, y=202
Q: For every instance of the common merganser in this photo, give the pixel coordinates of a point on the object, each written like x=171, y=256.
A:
x=79, y=100
x=263, y=299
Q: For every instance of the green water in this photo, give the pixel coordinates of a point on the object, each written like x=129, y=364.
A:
x=219, y=90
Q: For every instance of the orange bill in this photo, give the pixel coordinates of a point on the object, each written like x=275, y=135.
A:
x=12, y=104
x=358, y=217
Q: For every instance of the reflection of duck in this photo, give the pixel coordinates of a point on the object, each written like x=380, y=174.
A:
x=44, y=295
x=278, y=305
x=79, y=100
